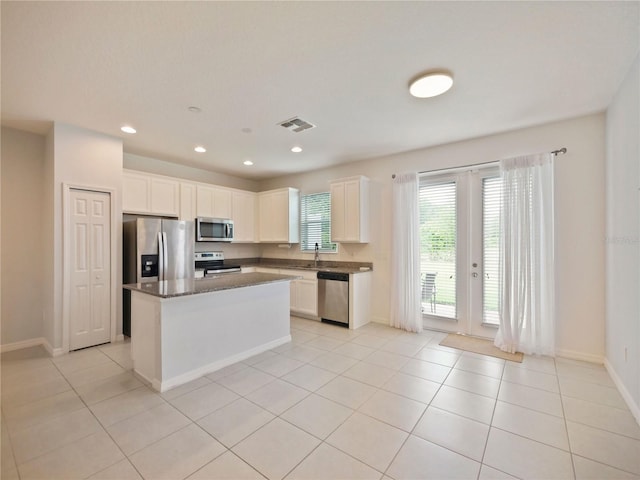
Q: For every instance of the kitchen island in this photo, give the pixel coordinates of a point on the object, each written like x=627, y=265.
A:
x=184, y=329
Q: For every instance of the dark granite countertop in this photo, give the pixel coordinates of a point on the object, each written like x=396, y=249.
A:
x=194, y=286
x=296, y=264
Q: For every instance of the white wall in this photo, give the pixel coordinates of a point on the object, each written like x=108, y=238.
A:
x=80, y=158
x=579, y=217
x=623, y=239
x=22, y=181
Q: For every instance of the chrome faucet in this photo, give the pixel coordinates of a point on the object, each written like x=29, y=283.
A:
x=316, y=256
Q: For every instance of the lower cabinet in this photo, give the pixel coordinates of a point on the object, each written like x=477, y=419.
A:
x=304, y=292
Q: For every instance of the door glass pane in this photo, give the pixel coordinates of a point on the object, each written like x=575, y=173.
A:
x=438, y=238
x=491, y=197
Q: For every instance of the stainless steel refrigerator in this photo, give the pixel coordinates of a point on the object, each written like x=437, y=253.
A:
x=154, y=249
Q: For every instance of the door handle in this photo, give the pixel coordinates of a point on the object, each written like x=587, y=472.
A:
x=165, y=253
x=160, y=257
x=474, y=274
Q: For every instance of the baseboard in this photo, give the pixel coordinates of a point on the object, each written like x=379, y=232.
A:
x=163, y=386
x=628, y=398
x=584, y=357
x=380, y=320
x=31, y=342
x=54, y=352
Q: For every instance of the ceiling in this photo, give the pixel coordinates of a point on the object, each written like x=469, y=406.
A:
x=342, y=66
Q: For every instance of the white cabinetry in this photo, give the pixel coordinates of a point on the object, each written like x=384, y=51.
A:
x=214, y=202
x=136, y=192
x=350, y=210
x=187, y=201
x=304, y=292
x=279, y=215
x=244, y=216
x=150, y=194
x=359, y=299
x=165, y=196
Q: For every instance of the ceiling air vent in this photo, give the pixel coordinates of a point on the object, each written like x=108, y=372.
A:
x=296, y=125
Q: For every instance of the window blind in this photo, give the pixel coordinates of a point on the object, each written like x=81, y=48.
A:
x=315, y=222
x=491, y=199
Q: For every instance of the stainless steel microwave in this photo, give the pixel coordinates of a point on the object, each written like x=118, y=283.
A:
x=214, y=230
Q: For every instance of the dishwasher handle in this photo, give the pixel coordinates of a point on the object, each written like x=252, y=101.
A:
x=339, y=277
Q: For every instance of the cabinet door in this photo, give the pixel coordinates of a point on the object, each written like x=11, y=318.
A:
x=352, y=211
x=136, y=193
x=187, y=201
x=279, y=215
x=221, y=203
x=165, y=194
x=244, y=217
x=204, y=201
x=307, y=296
x=266, y=224
x=337, y=212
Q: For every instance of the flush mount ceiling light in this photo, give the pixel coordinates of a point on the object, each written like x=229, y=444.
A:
x=248, y=163
x=200, y=149
x=431, y=84
x=296, y=149
x=128, y=129
x=194, y=109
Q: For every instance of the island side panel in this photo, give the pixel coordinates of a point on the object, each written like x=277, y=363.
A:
x=205, y=332
x=145, y=315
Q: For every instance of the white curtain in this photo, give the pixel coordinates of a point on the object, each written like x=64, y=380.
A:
x=527, y=322
x=405, y=255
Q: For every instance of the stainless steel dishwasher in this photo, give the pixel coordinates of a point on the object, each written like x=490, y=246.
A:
x=333, y=298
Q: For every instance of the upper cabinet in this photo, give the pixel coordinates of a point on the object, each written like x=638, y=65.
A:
x=187, y=200
x=279, y=216
x=212, y=201
x=350, y=210
x=244, y=216
x=272, y=216
x=150, y=194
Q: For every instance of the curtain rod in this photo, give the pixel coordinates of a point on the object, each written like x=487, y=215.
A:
x=560, y=151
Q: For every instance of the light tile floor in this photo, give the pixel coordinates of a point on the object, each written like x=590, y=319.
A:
x=372, y=403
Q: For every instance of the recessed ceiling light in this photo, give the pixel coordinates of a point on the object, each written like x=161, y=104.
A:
x=195, y=109
x=431, y=84
x=296, y=149
x=248, y=163
x=200, y=149
x=128, y=129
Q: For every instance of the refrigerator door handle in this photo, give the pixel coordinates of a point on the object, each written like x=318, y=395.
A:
x=160, y=257
x=165, y=254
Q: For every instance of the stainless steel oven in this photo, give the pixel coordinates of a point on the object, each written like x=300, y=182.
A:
x=208, y=264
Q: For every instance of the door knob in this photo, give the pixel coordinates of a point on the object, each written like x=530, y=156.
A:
x=475, y=274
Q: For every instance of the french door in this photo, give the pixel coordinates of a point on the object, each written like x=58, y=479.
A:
x=459, y=247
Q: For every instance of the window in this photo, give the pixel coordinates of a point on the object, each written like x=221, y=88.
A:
x=315, y=223
x=438, y=246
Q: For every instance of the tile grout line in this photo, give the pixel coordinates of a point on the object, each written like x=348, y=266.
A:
x=493, y=413
x=100, y=424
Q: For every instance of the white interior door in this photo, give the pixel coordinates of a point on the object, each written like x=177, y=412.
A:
x=458, y=251
x=90, y=265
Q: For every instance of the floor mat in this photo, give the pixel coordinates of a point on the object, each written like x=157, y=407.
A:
x=478, y=345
